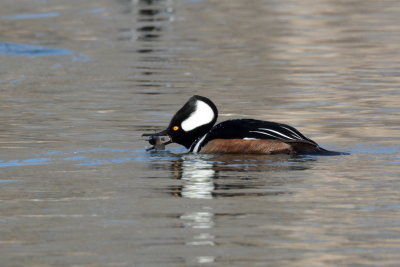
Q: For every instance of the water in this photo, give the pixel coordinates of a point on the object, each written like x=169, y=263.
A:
x=81, y=81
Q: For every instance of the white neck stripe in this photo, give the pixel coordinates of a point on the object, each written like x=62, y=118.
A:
x=197, y=146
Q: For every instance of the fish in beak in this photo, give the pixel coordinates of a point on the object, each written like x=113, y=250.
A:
x=158, y=141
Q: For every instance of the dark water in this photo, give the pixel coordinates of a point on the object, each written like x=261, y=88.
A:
x=80, y=81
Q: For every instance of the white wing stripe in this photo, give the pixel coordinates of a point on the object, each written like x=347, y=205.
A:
x=264, y=133
x=276, y=133
x=293, y=133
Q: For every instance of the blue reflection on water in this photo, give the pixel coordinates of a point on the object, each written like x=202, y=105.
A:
x=396, y=160
x=31, y=16
x=91, y=163
x=5, y=181
x=81, y=57
x=15, y=81
x=25, y=162
x=375, y=150
x=139, y=156
x=14, y=49
x=75, y=158
x=94, y=10
x=32, y=51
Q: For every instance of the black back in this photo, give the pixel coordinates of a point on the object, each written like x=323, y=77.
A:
x=255, y=129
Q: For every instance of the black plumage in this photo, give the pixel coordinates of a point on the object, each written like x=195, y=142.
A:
x=252, y=129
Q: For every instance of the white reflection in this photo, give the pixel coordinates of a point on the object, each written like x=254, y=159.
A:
x=205, y=259
x=198, y=179
x=204, y=239
x=200, y=220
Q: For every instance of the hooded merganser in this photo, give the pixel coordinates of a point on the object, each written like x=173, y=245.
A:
x=193, y=127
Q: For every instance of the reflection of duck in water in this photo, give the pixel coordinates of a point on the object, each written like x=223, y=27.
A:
x=198, y=176
x=192, y=127
x=229, y=175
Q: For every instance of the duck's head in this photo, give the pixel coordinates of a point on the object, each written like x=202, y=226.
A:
x=192, y=121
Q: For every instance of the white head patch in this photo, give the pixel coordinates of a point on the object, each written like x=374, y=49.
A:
x=202, y=115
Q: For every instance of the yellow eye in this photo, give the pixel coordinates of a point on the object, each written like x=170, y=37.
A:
x=175, y=128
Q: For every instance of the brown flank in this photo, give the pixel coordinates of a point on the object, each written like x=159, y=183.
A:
x=240, y=146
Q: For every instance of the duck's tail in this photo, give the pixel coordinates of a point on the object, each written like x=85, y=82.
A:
x=308, y=148
x=323, y=152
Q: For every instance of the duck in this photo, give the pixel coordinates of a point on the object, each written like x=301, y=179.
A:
x=193, y=126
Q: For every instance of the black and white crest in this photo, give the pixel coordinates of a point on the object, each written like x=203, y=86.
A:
x=201, y=114
x=194, y=119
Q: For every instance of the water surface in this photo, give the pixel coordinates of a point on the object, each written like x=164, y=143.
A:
x=81, y=81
